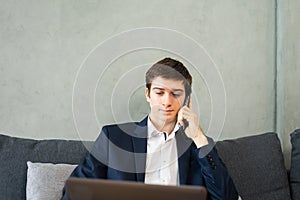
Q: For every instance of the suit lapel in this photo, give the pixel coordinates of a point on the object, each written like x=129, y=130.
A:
x=139, y=143
x=183, y=143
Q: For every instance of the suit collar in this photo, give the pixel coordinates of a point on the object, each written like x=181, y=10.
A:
x=143, y=122
x=140, y=130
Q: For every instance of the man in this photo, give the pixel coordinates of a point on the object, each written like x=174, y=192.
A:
x=167, y=147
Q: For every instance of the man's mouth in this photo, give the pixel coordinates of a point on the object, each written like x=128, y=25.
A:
x=166, y=111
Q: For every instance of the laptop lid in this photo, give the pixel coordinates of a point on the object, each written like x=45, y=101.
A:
x=92, y=189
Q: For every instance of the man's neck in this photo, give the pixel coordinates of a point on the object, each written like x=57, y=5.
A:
x=163, y=125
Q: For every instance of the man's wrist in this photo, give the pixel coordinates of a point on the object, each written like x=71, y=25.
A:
x=206, y=149
x=200, y=140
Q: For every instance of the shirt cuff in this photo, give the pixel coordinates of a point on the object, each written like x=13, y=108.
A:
x=206, y=149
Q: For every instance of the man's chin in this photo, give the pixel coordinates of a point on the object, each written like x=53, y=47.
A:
x=169, y=118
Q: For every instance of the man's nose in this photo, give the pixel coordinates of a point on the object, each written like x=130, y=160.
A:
x=168, y=99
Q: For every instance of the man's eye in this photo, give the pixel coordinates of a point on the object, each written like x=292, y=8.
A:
x=159, y=93
x=176, y=95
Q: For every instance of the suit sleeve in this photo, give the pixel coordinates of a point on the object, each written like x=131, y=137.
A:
x=94, y=165
x=215, y=175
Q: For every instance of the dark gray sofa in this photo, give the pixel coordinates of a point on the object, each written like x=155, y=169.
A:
x=255, y=163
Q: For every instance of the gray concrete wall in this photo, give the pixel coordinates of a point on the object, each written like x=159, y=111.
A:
x=288, y=58
x=43, y=44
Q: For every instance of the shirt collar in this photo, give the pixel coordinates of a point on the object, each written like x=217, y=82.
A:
x=152, y=131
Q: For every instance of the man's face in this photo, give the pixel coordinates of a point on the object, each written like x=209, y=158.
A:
x=165, y=97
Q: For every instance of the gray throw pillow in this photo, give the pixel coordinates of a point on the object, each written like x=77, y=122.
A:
x=15, y=152
x=256, y=166
x=295, y=164
x=45, y=181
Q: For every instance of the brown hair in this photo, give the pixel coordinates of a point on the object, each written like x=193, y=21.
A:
x=170, y=69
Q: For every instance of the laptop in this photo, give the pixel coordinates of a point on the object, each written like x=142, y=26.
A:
x=92, y=189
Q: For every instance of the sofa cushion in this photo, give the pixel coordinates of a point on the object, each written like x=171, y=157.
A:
x=256, y=166
x=15, y=152
x=295, y=164
x=46, y=180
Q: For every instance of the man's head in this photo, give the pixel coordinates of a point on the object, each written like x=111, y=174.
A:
x=169, y=68
x=167, y=84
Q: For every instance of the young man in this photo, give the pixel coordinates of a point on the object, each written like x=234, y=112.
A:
x=167, y=147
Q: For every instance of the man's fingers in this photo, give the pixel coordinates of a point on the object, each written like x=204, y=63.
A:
x=186, y=114
x=191, y=103
x=180, y=117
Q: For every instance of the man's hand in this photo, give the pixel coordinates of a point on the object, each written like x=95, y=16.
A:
x=193, y=130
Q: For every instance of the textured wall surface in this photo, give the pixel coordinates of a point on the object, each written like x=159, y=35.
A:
x=43, y=44
x=288, y=118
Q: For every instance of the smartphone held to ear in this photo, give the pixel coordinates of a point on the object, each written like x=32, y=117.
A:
x=186, y=103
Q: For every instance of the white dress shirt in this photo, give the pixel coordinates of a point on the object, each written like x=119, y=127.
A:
x=161, y=159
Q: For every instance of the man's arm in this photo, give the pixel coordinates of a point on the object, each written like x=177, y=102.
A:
x=217, y=180
x=90, y=167
x=94, y=163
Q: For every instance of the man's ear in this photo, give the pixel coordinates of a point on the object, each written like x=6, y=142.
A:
x=147, y=92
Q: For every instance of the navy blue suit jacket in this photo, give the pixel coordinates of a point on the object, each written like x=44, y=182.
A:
x=119, y=153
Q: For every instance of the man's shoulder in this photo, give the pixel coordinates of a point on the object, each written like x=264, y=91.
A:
x=130, y=128
x=130, y=125
x=121, y=125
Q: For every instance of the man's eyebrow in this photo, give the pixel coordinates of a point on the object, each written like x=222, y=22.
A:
x=173, y=90
x=158, y=88
x=177, y=90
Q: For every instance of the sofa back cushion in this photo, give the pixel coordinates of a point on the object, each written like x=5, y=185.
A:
x=256, y=166
x=15, y=152
x=255, y=163
x=295, y=164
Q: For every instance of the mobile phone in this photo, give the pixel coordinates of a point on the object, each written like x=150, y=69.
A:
x=186, y=103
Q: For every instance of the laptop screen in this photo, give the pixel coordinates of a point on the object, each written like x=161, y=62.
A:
x=92, y=189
